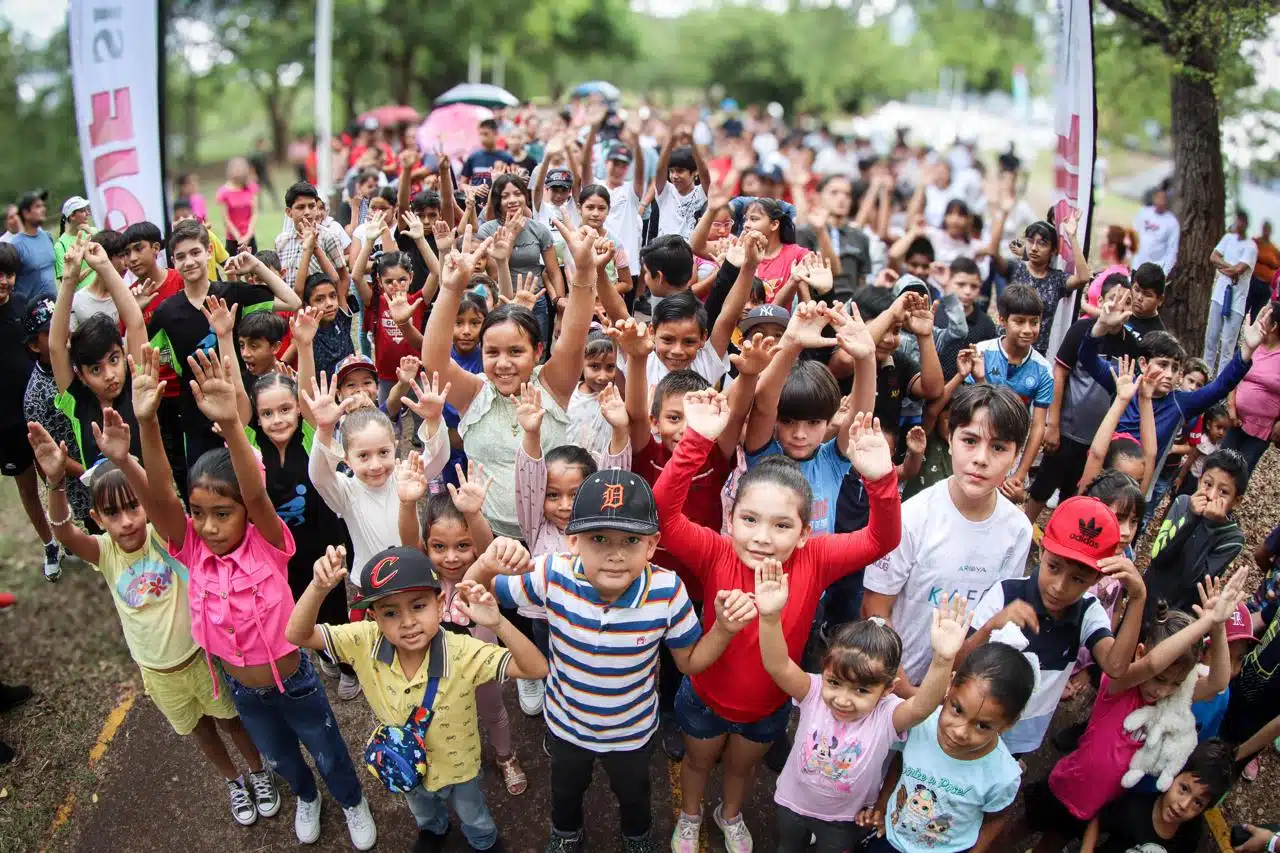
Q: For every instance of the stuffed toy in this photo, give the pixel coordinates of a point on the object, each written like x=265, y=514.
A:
x=1170, y=736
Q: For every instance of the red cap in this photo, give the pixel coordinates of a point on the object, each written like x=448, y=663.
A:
x=1082, y=529
x=1240, y=625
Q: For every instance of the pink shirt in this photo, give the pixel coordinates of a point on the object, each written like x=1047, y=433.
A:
x=1094, y=294
x=1258, y=394
x=241, y=602
x=1089, y=778
x=237, y=204
x=834, y=769
x=776, y=271
x=198, y=206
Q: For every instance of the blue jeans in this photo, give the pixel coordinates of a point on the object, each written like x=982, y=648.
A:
x=1159, y=489
x=699, y=721
x=431, y=811
x=280, y=722
x=1220, y=337
x=1249, y=447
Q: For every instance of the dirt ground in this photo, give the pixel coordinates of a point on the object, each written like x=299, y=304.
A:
x=149, y=791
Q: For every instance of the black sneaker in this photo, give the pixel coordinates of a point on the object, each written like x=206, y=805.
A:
x=643, y=844
x=776, y=757
x=6, y=753
x=431, y=842
x=1069, y=738
x=13, y=695
x=672, y=738
x=560, y=843
x=52, y=562
x=266, y=796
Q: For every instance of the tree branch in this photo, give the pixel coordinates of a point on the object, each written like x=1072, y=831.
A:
x=1151, y=26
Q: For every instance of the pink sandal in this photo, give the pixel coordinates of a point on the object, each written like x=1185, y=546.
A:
x=513, y=776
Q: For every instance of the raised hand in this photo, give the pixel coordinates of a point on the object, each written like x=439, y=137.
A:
x=754, y=354
x=917, y=441
x=508, y=557
x=735, y=253
x=772, y=587
x=816, y=273
x=400, y=308
x=966, y=359
x=612, y=407
x=50, y=455
x=504, y=241
x=868, y=449
x=529, y=409
x=602, y=250
x=148, y=388
x=1251, y=336
x=112, y=437
x=144, y=291
x=322, y=401
x=1122, y=569
x=1218, y=597
x=478, y=604
x=950, y=626
x=735, y=609
x=579, y=242
x=528, y=288
x=304, y=324
x=443, y=233
x=631, y=336
x=411, y=478
x=331, y=568
x=805, y=328
x=74, y=255
x=410, y=367
x=852, y=334
x=706, y=413
x=221, y=320
x=919, y=319
x=428, y=398
x=413, y=225
x=215, y=393
x=473, y=485
x=1127, y=384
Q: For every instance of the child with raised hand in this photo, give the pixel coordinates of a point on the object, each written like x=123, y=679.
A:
x=237, y=551
x=1109, y=452
x=731, y=709
x=1087, y=779
x=368, y=501
x=400, y=655
x=956, y=780
x=149, y=590
x=849, y=716
x=587, y=425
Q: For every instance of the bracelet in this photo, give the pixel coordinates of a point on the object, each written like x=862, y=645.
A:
x=60, y=487
x=62, y=522
x=1271, y=845
x=574, y=283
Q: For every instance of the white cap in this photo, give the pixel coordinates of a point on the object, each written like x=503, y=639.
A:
x=73, y=204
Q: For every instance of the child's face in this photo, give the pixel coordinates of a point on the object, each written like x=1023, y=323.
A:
x=1216, y=485
x=850, y=700
x=141, y=257
x=979, y=458
x=1164, y=372
x=324, y=298
x=1237, y=649
x=595, y=210
x=1135, y=467
x=451, y=547
x=1021, y=330
x=1129, y=524
x=1062, y=582
x=1163, y=684
x=182, y=214
x=258, y=355
x=466, y=330
x=120, y=263
x=563, y=481
x=278, y=413
x=361, y=381
x=971, y=721
x=395, y=281
x=303, y=210
x=599, y=371
x=126, y=525
x=887, y=344
x=508, y=355
x=1192, y=380
x=409, y=619
x=488, y=137
x=682, y=178
x=1186, y=799
x=190, y=259
x=39, y=346
x=967, y=286
x=800, y=439
x=678, y=342
x=219, y=520
x=1145, y=302
x=106, y=376
x=722, y=225
x=370, y=454
x=617, y=172
x=918, y=265
x=669, y=425
x=612, y=559
x=956, y=225
x=559, y=195
x=766, y=522
x=1215, y=429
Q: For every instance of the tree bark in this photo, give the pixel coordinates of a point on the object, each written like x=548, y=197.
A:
x=1199, y=201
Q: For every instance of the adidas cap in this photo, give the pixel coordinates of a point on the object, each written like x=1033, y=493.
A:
x=1082, y=529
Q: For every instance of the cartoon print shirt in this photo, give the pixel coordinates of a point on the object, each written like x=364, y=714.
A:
x=834, y=769
x=149, y=589
x=939, y=802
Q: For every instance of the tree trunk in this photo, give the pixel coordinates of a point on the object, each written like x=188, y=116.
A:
x=278, y=117
x=1199, y=201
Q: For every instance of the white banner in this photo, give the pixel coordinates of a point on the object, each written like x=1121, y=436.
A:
x=116, y=76
x=1074, y=124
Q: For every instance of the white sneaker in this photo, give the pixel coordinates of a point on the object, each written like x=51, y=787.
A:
x=306, y=823
x=684, y=838
x=530, y=692
x=348, y=687
x=360, y=826
x=327, y=669
x=737, y=838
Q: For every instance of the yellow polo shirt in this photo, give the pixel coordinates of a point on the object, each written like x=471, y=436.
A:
x=461, y=661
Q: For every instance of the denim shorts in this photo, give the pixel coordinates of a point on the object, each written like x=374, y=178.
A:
x=700, y=722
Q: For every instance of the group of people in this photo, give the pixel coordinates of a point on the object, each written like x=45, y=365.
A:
x=759, y=440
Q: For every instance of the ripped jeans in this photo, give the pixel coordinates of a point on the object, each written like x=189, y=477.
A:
x=281, y=722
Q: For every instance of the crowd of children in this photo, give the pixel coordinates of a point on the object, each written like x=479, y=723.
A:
x=457, y=450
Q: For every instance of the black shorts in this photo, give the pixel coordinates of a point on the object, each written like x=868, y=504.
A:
x=15, y=451
x=1060, y=471
x=1046, y=813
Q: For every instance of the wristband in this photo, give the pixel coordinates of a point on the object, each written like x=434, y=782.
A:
x=1271, y=845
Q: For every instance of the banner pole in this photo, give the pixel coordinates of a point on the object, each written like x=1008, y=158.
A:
x=324, y=97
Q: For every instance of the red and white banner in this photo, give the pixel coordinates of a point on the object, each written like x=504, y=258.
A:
x=116, y=76
x=1074, y=123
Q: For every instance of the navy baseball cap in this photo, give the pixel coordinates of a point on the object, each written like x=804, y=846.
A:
x=621, y=153
x=762, y=314
x=560, y=177
x=37, y=319
x=614, y=500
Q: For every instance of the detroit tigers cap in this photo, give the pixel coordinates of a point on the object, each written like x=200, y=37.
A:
x=614, y=500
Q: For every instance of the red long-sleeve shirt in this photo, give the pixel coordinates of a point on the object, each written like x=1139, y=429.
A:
x=736, y=686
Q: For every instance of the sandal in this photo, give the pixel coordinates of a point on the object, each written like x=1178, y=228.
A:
x=513, y=776
x=1251, y=769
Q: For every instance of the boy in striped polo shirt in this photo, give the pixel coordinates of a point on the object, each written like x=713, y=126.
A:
x=608, y=608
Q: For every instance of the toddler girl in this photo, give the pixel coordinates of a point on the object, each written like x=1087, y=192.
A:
x=588, y=427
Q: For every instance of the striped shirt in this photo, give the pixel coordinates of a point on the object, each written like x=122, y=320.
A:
x=602, y=690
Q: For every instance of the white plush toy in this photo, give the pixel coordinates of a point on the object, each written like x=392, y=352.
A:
x=1171, y=736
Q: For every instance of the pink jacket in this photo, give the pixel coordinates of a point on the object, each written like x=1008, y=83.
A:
x=240, y=603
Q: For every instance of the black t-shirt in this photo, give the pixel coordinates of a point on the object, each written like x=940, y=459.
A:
x=88, y=411
x=1144, y=325
x=527, y=163
x=981, y=328
x=1085, y=402
x=1127, y=826
x=16, y=359
x=187, y=330
x=893, y=379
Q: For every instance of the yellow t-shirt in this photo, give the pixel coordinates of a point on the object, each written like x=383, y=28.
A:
x=149, y=588
x=217, y=256
x=453, y=738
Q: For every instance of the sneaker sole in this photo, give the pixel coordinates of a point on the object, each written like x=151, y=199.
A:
x=250, y=822
x=271, y=811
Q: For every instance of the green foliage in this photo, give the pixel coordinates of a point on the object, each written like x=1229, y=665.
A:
x=41, y=148
x=982, y=39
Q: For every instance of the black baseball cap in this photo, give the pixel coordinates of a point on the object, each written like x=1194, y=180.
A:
x=30, y=197
x=395, y=570
x=614, y=500
x=621, y=153
x=560, y=177
x=37, y=319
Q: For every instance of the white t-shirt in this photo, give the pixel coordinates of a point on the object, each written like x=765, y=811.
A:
x=1235, y=249
x=84, y=305
x=706, y=364
x=1157, y=238
x=936, y=200
x=623, y=221
x=946, y=249
x=678, y=214
x=942, y=552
